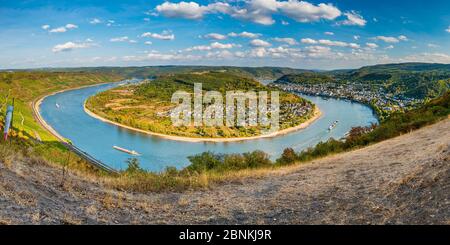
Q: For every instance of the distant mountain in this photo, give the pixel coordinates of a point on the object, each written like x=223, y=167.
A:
x=269, y=73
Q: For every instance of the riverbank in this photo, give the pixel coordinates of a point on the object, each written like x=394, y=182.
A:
x=316, y=115
x=35, y=105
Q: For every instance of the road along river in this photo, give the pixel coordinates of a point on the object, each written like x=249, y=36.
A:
x=64, y=112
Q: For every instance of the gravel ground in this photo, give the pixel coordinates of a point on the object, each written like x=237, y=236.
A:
x=405, y=180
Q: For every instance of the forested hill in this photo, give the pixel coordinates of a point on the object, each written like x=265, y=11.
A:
x=416, y=80
x=268, y=73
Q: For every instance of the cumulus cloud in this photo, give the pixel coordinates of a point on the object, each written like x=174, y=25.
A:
x=214, y=45
x=58, y=30
x=302, y=11
x=448, y=29
x=122, y=39
x=190, y=10
x=257, y=11
x=353, y=19
x=327, y=42
x=71, y=26
x=308, y=41
x=259, y=43
x=391, y=39
x=119, y=39
x=372, y=45
x=68, y=46
x=166, y=35
x=95, y=21
x=244, y=34
x=288, y=40
x=403, y=38
x=215, y=36
x=329, y=33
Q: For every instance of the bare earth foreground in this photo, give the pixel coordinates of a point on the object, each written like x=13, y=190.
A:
x=405, y=180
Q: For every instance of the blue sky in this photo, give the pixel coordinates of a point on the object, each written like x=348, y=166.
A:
x=324, y=34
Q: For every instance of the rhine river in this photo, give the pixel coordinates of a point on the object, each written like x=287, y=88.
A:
x=98, y=138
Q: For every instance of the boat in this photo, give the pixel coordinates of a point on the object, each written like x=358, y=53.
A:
x=57, y=105
x=131, y=152
x=333, y=125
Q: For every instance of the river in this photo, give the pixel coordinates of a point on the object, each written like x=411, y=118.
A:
x=97, y=138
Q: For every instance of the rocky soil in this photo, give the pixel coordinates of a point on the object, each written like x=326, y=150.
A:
x=405, y=180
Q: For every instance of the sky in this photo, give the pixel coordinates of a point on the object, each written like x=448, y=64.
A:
x=322, y=34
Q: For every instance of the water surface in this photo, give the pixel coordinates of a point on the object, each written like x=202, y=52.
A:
x=97, y=138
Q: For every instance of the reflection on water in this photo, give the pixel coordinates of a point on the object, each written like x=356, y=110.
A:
x=97, y=138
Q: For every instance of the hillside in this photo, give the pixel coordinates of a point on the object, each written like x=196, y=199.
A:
x=405, y=180
x=413, y=80
x=269, y=73
x=147, y=106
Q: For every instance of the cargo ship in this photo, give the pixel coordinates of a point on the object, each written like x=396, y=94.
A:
x=131, y=152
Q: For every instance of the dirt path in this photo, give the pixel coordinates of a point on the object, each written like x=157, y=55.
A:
x=405, y=180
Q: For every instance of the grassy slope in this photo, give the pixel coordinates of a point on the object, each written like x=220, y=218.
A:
x=27, y=86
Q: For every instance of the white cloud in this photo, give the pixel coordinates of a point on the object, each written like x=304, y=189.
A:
x=303, y=11
x=288, y=40
x=119, y=39
x=387, y=39
x=389, y=47
x=71, y=26
x=448, y=29
x=218, y=45
x=329, y=33
x=58, y=30
x=317, y=51
x=148, y=43
x=330, y=43
x=163, y=36
x=372, y=45
x=353, y=19
x=356, y=37
x=308, y=41
x=122, y=39
x=259, y=43
x=403, y=38
x=285, y=23
x=214, y=45
x=257, y=11
x=95, y=21
x=215, y=36
x=68, y=46
x=244, y=34
x=190, y=10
